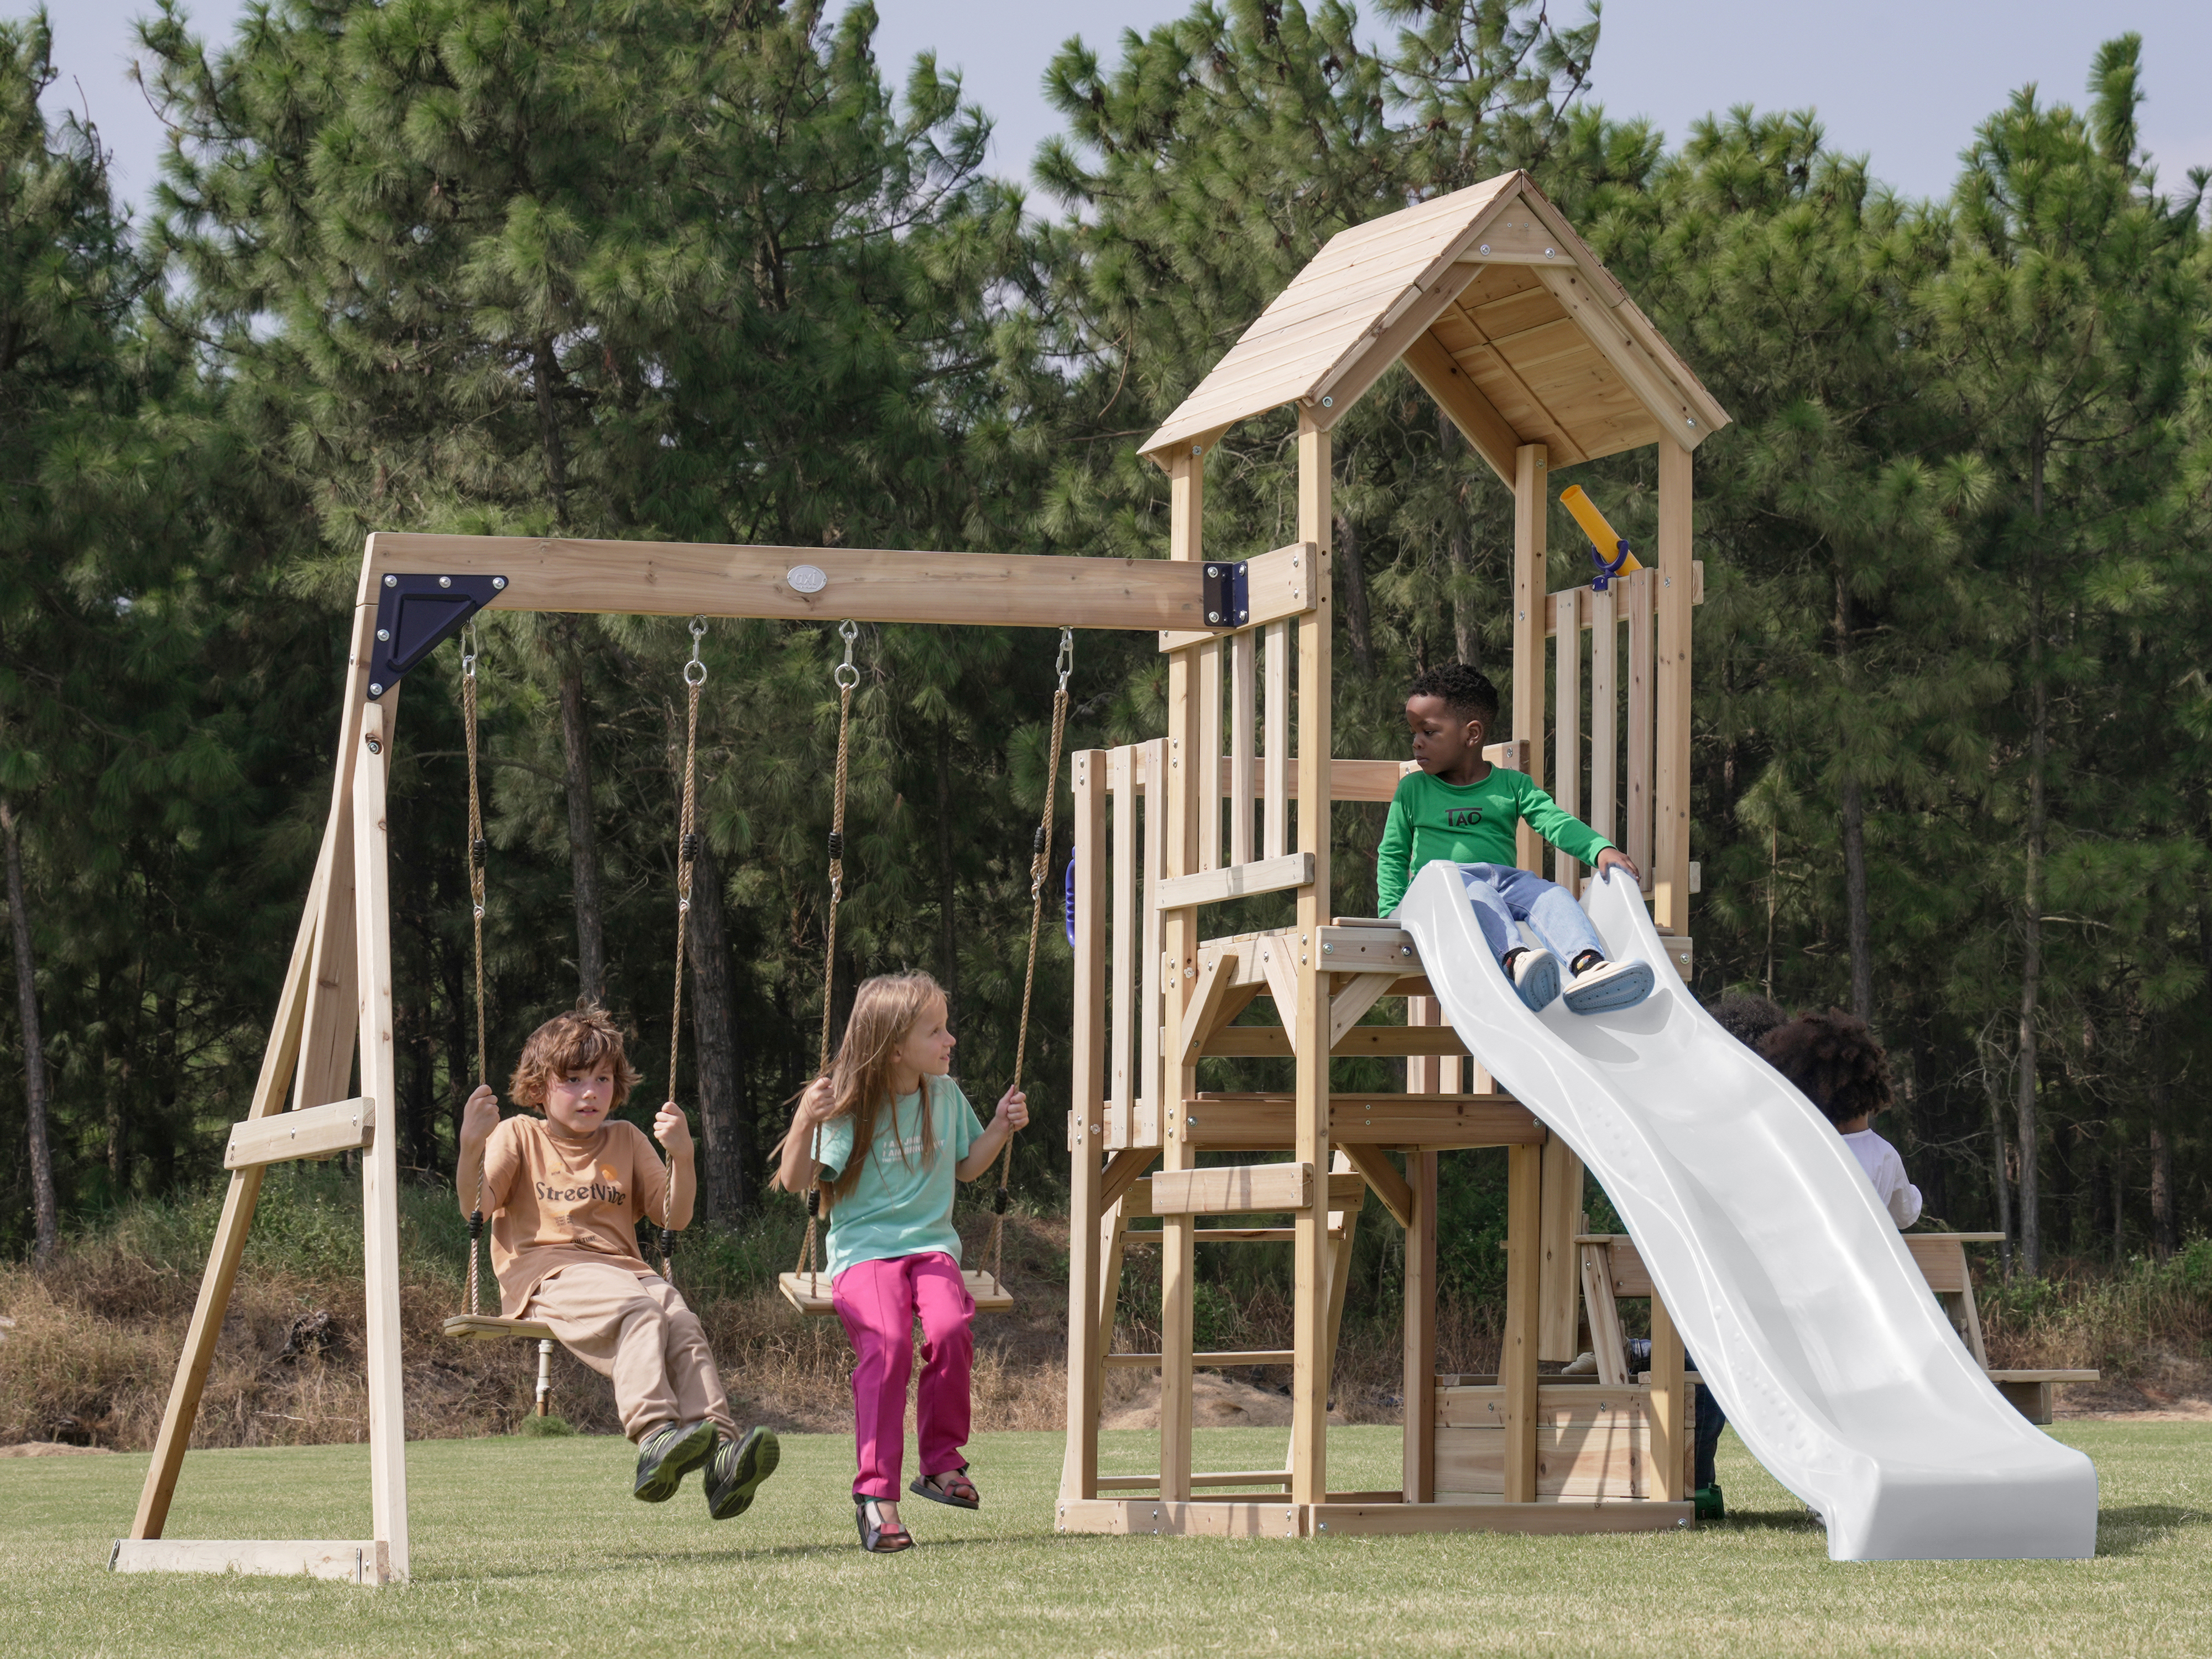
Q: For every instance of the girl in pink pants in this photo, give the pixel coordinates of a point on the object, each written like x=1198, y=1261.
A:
x=885, y=1135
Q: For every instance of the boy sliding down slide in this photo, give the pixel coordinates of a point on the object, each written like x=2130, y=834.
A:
x=1462, y=810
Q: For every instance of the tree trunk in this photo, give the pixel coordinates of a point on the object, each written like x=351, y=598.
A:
x=723, y=1122
x=948, y=928
x=460, y=1033
x=1859, y=925
x=583, y=836
x=2031, y=975
x=2001, y=1179
x=2164, y=1236
x=545, y=368
x=45, y=1207
x=418, y=1086
x=1358, y=626
x=1467, y=638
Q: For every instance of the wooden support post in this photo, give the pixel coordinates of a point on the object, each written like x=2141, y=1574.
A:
x=1420, y=1391
x=1562, y=1218
x=1669, y=1394
x=1086, y=1127
x=1670, y=852
x=1155, y=1085
x=1531, y=563
x=1208, y=687
x=1605, y=717
x=1241, y=715
x=379, y=1162
x=1310, y=1386
x=279, y=1061
x=324, y=1073
x=1516, y=1359
x=1567, y=723
x=1123, y=928
x=1275, y=716
x=1185, y=797
x=1640, y=706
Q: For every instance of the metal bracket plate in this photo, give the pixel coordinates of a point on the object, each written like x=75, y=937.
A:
x=416, y=615
x=1227, y=594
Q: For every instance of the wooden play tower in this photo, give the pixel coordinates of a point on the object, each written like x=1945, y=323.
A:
x=1540, y=359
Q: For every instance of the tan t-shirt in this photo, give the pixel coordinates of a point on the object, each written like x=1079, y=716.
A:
x=557, y=1200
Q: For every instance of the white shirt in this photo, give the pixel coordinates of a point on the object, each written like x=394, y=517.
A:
x=1886, y=1171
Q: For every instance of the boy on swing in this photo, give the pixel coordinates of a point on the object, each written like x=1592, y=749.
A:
x=565, y=1192
x=1462, y=809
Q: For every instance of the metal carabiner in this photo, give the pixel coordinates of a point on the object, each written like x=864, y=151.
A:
x=698, y=633
x=845, y=674
x=1065, y=665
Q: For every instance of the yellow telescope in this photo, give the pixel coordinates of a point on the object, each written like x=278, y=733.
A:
x=1608, y=548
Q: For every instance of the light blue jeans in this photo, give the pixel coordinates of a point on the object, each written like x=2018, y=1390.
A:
x=1503, y=895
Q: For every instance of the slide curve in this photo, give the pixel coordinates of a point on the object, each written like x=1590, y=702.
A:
x=1787, y=1278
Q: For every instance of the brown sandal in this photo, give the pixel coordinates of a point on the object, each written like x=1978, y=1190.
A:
x=950, y=1486
x=877, y=1537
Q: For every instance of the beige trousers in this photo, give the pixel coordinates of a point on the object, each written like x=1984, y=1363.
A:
x=640, y=1334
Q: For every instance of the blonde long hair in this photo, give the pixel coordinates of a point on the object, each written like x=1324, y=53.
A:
x=885, y=1009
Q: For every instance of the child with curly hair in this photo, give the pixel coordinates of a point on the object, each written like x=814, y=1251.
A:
x=566, y=1187
x=1837, y=1064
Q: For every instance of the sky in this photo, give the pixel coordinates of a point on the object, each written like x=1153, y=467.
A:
x=1903, y=81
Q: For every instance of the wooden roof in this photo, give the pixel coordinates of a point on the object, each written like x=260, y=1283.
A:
x=1495, y=307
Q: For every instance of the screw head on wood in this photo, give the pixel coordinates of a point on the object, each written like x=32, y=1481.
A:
x=374, y=747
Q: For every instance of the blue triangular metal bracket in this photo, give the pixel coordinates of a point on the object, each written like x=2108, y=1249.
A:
x=416, y=615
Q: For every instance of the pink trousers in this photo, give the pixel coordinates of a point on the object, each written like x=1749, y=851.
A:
x=878, y=1302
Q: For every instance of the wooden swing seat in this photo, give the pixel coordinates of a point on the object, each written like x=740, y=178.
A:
x=489, y=1328
x=809, y=1292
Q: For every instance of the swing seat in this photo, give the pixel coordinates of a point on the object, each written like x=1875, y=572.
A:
x=809, y=1292
x=489, y=1328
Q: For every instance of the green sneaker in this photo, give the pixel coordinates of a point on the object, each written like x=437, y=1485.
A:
x=1709, y=1505
x=667, y=1454
x=736, y=1470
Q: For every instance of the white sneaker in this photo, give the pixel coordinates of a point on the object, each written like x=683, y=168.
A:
x=1535, y=976
x=1607, y=986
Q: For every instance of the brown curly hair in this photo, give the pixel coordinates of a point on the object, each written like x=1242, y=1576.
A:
x=568, y=1043
x=1834, y=1059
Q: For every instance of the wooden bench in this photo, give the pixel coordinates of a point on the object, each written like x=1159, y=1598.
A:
x=1610, y=1269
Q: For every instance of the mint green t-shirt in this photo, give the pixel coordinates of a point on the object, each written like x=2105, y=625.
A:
x=900, y=1205
x=1469, y=823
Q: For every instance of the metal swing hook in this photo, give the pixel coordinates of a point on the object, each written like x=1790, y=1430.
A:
x=845, y=674
x=469, y=645
x=695, y=671
x=1066, y=664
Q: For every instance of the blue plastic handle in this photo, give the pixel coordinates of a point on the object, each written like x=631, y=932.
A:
x=1071, y=897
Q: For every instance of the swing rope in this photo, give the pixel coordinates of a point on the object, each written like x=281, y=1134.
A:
x=846, y=676
x=687, y=854
x=1040, y=866
x=477, y=852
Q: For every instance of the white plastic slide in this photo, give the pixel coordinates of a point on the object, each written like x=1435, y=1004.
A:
x=1791, y=1288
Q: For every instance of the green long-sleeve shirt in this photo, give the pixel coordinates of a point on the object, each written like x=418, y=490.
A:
x=1470, y=824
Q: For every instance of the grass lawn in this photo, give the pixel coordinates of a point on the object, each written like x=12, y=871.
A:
x=535, y=1547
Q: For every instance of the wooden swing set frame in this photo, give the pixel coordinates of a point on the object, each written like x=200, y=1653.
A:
x=1509, y=323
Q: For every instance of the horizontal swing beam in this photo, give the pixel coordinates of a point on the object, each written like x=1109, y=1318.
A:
x=805, y=584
